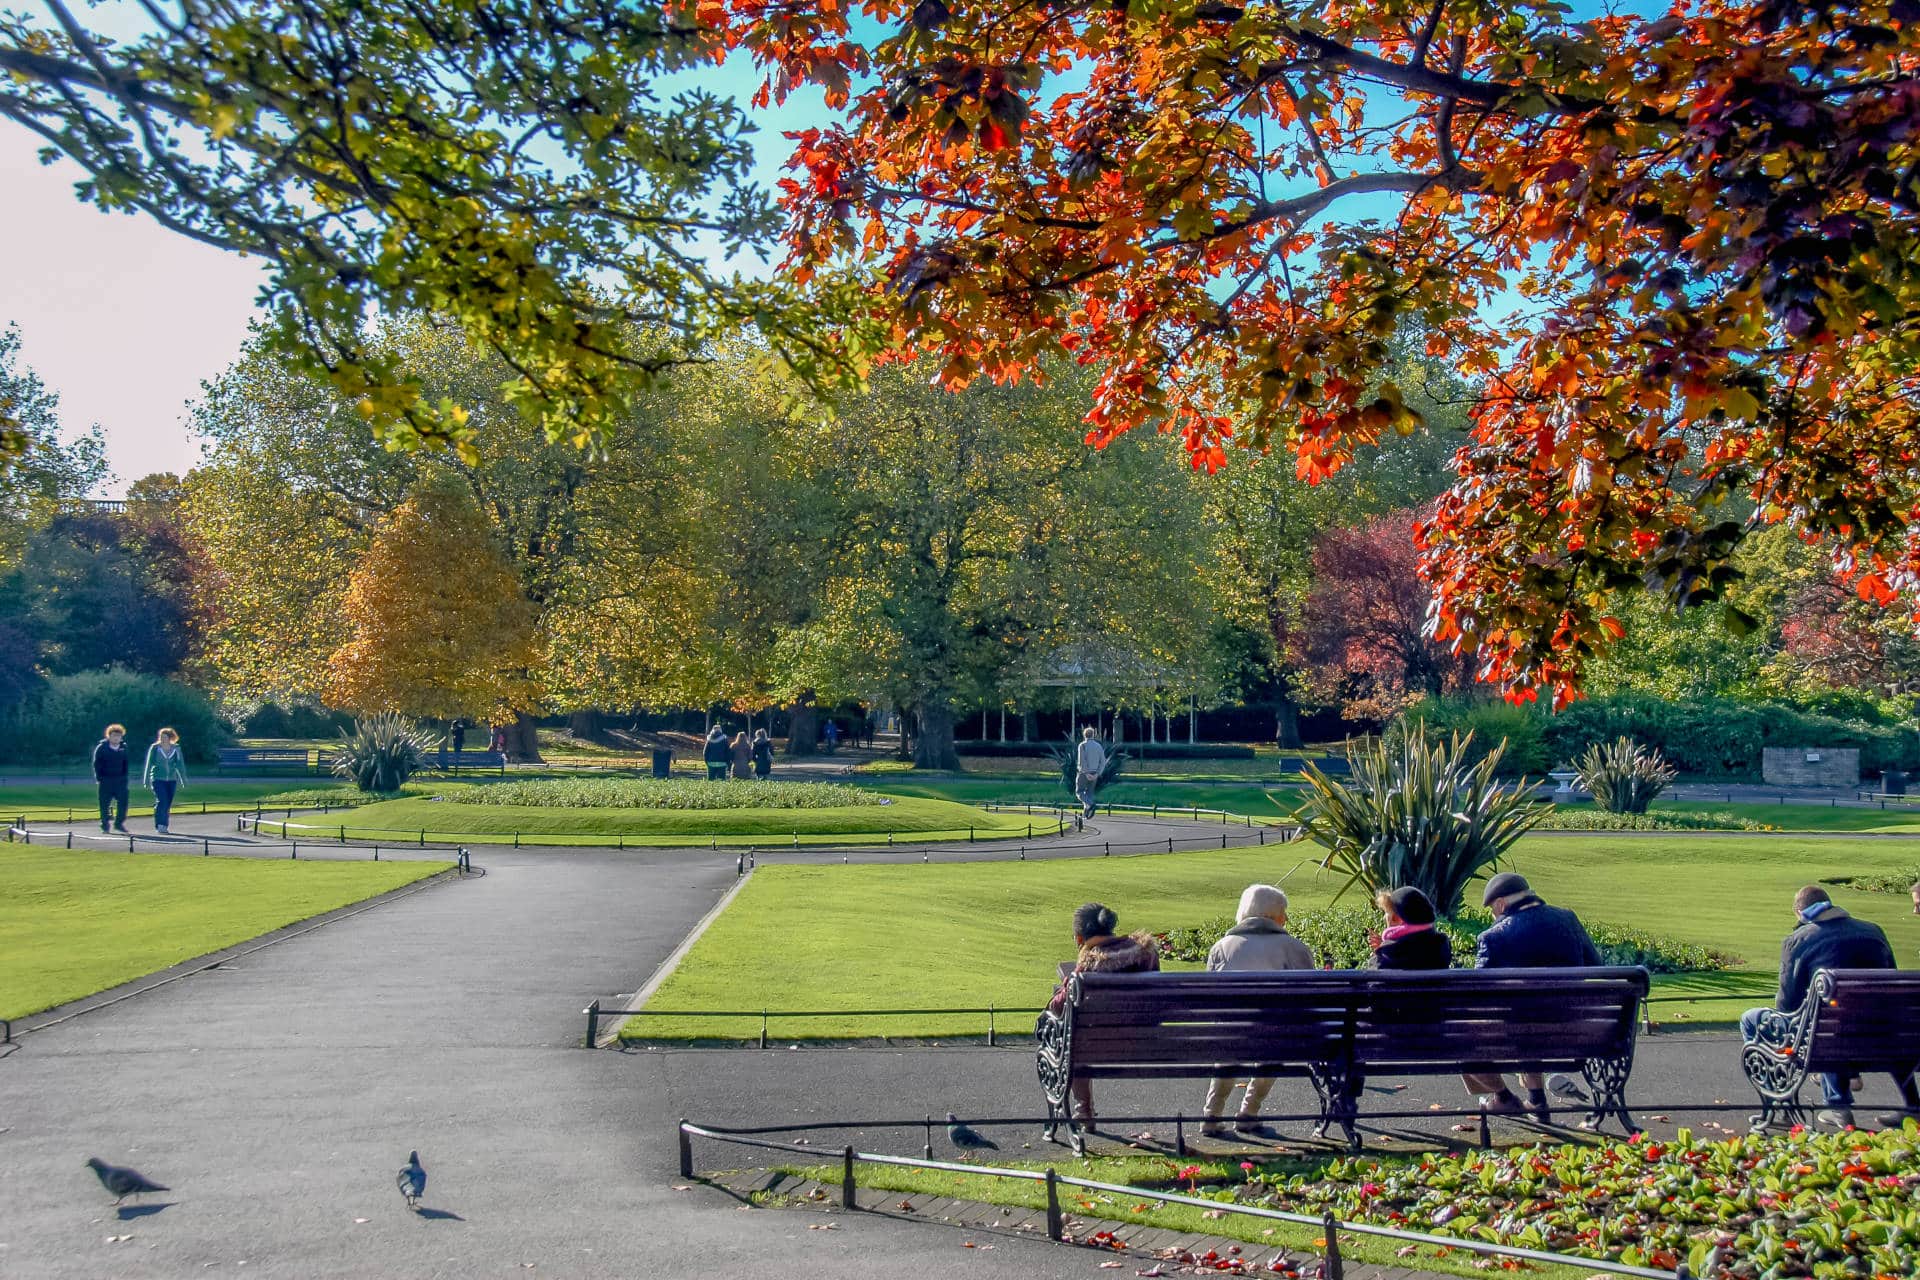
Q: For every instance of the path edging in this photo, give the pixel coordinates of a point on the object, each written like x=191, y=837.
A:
x=666, y=967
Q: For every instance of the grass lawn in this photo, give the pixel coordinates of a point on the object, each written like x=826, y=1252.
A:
x=972, y=935
x=1173, y=796
x=51, y=801
x=73, y=923
x=1807, y=817
x=909, y=816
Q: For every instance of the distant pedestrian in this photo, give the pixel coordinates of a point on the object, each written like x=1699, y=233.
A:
x=459, y=735
x=497, y=744
x=832, y=735
x=762, y=754
x=717, y=755
x=740, y=752
x=1089, y=764
x=110, y=772
x=165, y=774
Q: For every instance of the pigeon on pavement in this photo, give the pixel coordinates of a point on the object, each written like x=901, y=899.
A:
x=966, y=1139
x=1566, y=1088
x=121, y=1182
x=412, y=1180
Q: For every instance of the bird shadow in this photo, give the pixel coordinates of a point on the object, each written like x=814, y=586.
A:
x=438, y=1215
x=128, y=1212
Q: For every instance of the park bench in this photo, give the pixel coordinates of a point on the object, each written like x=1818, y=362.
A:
x=1851, y=1022
x=274, y=759
x=1336, y=1025
x=454, y=761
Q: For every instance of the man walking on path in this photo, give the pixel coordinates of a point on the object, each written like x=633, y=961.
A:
x=1828, y=938
x=110, y=772
x=1089, y=764
x=1526, y=934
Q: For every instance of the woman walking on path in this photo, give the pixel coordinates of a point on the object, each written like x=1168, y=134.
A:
x=110, y=772
x=741, y=752
x=166, y=773
x=762, y=754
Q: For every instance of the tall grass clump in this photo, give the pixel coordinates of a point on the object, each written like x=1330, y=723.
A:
x=381, y=752
x=1623, y=776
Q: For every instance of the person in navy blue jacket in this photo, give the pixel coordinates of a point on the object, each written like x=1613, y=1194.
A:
x=1526, y=934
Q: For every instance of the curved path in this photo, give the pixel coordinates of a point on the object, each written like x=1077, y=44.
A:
x=278, y=1094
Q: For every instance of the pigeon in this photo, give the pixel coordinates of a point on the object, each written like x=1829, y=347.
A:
x=122, y=1182
x=412, y=1180
x=1566, y=1088
x=966, y=1139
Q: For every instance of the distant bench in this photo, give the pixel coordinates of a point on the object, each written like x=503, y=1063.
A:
x=266, y=759
x=1336, y=1027
x=454, y=761
x=1851, y=1022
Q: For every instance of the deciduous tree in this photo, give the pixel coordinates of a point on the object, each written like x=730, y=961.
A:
x=1710, y=216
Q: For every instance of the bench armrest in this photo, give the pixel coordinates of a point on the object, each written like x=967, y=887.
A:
x=1775, y=1060
x=1053, y=1059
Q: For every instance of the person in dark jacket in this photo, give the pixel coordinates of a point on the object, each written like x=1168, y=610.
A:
x=740, y=753
x=1526, y=934
x=110, y=772
x=762, y=754
x=717, y=755
x=1827, y=938
x=1102, y=950
x=1411, y=938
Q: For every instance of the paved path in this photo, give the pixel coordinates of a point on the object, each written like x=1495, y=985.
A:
x=277, y=1096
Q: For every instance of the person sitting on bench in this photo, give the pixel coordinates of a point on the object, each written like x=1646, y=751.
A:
x=1102, y=950
x=1259, y=941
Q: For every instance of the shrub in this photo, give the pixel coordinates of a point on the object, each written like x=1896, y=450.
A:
x=270, y=720
x=1342, y=938
x=1899, y=882
x=1519, y=731
x=330, y=797
x=64, y=717
x=666, y=793
x=381, y=753
x=1066, y=758
x=1416, y=812
x=1623, y=776
x=1717, y=738
x=1601, y=820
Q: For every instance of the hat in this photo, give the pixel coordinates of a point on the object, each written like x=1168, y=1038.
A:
x=1411, y=905
x=1504, y=885
x=1262, y=901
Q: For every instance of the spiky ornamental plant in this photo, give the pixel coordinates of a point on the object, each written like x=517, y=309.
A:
x=381, y=752
x=1416, y=812
x=1623, y=775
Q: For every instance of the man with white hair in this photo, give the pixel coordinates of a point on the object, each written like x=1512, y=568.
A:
x=1259, y=941
x=1090, y=762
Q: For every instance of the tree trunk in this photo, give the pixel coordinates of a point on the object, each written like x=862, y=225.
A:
x=523, y=740
x=933, y=748
x=1286, y=723
x=584, y=725
x=803, y=727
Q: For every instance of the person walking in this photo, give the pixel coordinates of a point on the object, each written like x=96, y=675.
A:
x=832, y=734
x=762, y=754
x=1526, y=934
x=165, y=773
x=740, y=752
x=1259, y=941
x=459, y=735
x=1827, y=937
x=1090, y=761
x=717, y=754
x=110, y=774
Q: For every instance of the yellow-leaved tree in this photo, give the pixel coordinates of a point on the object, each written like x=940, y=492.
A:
x=438, y=623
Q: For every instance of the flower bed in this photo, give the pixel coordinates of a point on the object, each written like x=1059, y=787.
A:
x=665, y=793
x=1601, y=820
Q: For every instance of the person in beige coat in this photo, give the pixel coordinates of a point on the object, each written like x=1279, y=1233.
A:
x=1259, y=941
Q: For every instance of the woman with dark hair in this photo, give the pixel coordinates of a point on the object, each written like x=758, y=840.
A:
x=1410, y=939
x=762, y=754
x=1102, y=949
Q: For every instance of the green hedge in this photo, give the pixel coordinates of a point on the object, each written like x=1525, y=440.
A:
x=1134, y=748
x=1714, y=738
x=64, y=718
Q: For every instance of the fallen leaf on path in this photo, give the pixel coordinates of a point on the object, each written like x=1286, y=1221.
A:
x=906, y=1206
x=1463, y=1128
x=683, y=1186
x=1153, y=1270
x=1406, y=1251
x=1111, y=1266
x=359, y=1220
x=1662, y=1119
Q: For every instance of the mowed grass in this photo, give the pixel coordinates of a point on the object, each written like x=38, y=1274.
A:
x=52, y=801
x=908, y=817
x=1809, y=817
x=972, y=935
x=72, y=923
x=1275, y=801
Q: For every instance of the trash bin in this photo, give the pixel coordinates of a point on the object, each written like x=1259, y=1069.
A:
x=1893, y=782
x=662, y=763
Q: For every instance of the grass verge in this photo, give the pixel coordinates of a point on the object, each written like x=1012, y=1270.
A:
x=79, y=801
x=974, y=935
x=73, y=923
x=908, y=817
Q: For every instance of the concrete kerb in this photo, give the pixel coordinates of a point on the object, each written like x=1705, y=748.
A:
x=614, y=1019
x=199, y=964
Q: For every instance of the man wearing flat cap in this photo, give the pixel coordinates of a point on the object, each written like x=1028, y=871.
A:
x=1526, y=934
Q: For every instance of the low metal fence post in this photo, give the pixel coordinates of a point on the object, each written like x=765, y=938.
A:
x=1332, y=1269
x=1056, y=1229
x=69, y=839
x=686, y=1151
x=927, y=1144
x=763, y=1036
x=593, y=1025
x=990, y=1027
x=1180, y=1135
x=846, y=1180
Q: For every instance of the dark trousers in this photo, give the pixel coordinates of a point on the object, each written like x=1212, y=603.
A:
x=113, y=799
x=163, y=800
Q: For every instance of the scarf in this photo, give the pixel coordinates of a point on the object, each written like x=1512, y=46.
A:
x=1395, y=932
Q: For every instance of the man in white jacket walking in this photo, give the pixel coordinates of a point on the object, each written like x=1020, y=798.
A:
x=1089, y=764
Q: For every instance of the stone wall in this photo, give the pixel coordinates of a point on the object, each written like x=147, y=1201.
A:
x=1810, y=766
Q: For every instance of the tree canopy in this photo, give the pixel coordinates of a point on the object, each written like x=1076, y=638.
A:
x=1678, y=255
